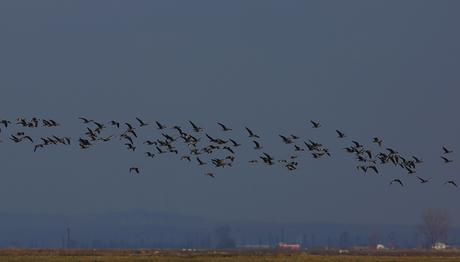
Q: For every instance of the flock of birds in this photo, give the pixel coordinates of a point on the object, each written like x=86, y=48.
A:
x=216, y=151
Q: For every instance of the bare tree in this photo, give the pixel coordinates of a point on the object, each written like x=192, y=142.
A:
x=435, y=226
x=224, y=238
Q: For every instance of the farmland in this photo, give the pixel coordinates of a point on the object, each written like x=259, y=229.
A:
x=91, y=255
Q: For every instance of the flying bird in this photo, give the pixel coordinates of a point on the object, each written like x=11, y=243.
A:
x=447, y=151
x=134, y=169
x=315, y=124
x=224, y=128
x=423, y=181
x=378, y=141
x=374, y=168
x=286, y=140
x=210, y=175
x=150, y=154
x=141, y=123
x=340, y=134
x=228, y=149
x=85, y=120
x=446, y=160
x=251, y=134
x=200, y=162
x=5, y=123
x=115, y=123
x=38, y=146
x=451, y=182
x=396, y=180
x=130, y=127
x=159, y=125
x=257, y=145
x=195, y=127
x=235, y=144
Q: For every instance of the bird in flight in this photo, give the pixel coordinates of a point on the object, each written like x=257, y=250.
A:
x=446, y=160
x=378, y=141
x=446, y=150
x=340, y=134
x=195, y=127
x=210, y=174
x=396, y=180
x=134, y=169
x=251, y=134
x=315, y=124
x=200, y=162
x=224, y=128
x=5, y=123
x=423, y=181
x=150, y=154
x=38, y=146
x=257, y=145
x=451, y=182
x=235, y=144
x=286, y=140
x=115, y=123
x=417, y=160
x=86, y=120
x=141, y=123
x=159, y=125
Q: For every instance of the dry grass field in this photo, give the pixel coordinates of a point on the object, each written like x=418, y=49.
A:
x=88, y=255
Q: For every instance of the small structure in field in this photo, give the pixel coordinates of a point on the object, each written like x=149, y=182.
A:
x=254, y=246
x=439, y=246
x=286, y=246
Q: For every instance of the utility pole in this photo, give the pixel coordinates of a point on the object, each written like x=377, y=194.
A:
x=68, y=237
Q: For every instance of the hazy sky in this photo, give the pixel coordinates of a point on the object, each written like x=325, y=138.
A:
x=369, y=68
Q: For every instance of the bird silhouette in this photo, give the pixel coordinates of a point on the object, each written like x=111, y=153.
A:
x=134, y=169
x=417, y=160
x=251, y=134
x=210, y=174
x=315, y=124
x=340, y=134
x=286, y=140
x=159, y=125
x=141, y=123
x=378, y=141
x=150, y=154
x=195, y=127
x=38, y=146
x=200, y=162
x=5, y=123
x=224, y=128
x=235, y=144
x=447, y=151
x=423, y=181
x=257, y=145
x=396, y=180
x=86, y=120
x=115, y=123
x=446, y=160
x=451, y=182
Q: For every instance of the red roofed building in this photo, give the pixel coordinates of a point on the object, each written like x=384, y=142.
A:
x=286, y=246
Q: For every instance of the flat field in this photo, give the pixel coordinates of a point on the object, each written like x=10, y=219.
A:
x=91, y=255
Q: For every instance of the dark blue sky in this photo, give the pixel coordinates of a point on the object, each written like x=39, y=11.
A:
x=369, y=68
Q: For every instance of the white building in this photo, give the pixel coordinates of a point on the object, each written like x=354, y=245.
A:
x=439, y=246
